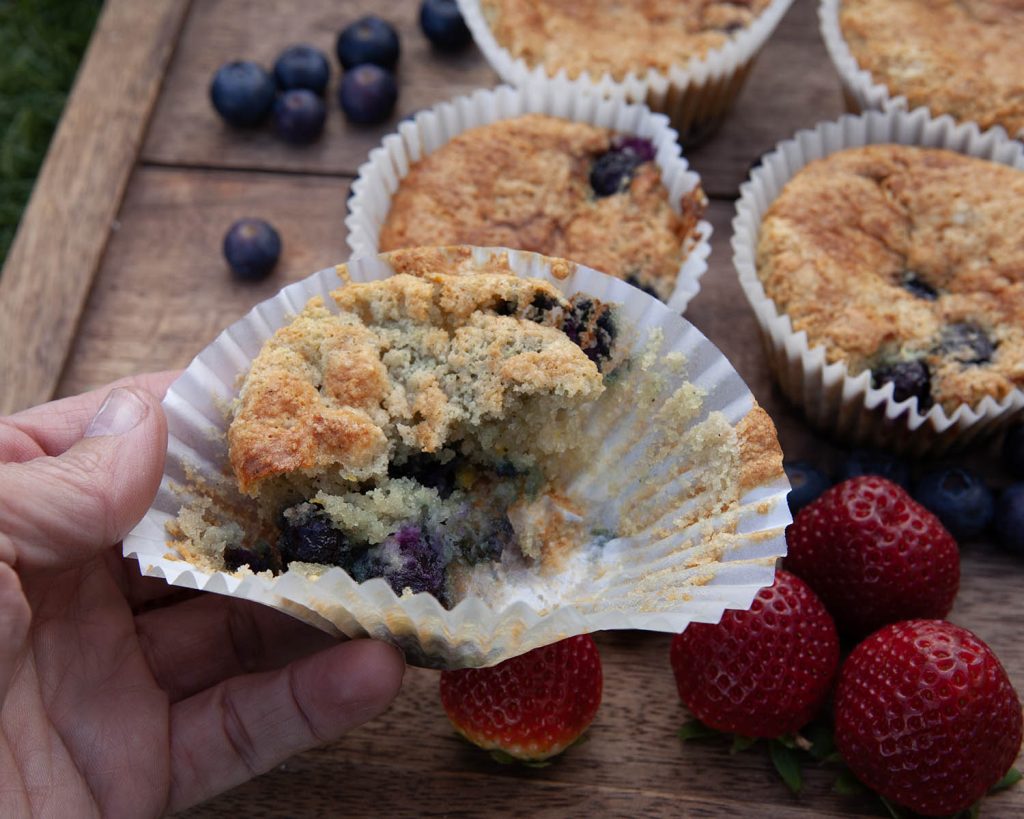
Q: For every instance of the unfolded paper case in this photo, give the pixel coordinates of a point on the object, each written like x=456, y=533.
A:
x=682, y=478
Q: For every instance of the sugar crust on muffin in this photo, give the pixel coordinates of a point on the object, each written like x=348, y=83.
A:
x=899, y=256
x=525, y=183
x=958, y=57
x=615, y=37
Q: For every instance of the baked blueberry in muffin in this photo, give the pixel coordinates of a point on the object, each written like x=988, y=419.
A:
x=907, y=262
x=406, y=431
x=561, y=188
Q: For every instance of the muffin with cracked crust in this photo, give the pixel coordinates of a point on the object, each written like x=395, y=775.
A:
x=553, y=186
x=615, y=37
x=958, y=57
x=907, y=262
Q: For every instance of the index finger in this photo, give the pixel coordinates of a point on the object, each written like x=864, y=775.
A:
x=57, y=425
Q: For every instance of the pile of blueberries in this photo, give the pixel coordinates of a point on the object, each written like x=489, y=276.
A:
x=965, y=503
x=245, y=95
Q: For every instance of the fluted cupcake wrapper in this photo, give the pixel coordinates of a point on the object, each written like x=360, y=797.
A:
x=861, y=90
x=386, y=167
x=658, y=456
x=844, y=405
x=696, y=96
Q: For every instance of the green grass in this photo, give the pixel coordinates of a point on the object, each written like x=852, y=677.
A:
x=41, y=44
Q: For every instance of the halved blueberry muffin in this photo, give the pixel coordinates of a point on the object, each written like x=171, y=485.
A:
x=408, y=429
x=553, y=186
x=907, y=262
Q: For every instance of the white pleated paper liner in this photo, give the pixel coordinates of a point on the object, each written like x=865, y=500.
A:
x=656, y=463
x=387, y=165
x=862, y=91
x=846, y=406
x=696, y=96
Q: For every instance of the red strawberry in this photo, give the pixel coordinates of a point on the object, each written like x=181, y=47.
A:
x=926, y=716
x=762, y=672
x=530, y=707
x=874, y=555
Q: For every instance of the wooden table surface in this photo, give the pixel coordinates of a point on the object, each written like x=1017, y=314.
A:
x=117, y=269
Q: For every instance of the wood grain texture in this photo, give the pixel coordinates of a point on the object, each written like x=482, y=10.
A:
x=793, y=85
x=57, y=249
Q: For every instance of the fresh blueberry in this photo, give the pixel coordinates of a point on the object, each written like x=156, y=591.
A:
x=807, y=482
x=408, y=559
x=302, y=66
x=1008, y=520
x=260, y=557
x=871, y=462
x=299, y=116
x=1013, y=450
x=252, y=248
x=367, y=94
x=243, y=93
x=443, y=25
x=310, y=537
x=959, y=498
x=967, y=343
x=910, y=379
x=917, y=286
x=368, y=40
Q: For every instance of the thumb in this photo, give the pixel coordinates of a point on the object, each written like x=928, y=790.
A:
x=59, y=511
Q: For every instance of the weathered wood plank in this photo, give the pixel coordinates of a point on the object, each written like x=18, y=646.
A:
x=164, y=290
x=50, y=267
x=792, y=86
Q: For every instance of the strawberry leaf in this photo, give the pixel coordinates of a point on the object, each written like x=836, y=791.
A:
x=502, y=758
x=786, y=763
x=696, y=730
x=1013, y=776
x=894, y=811
x=819, y=734
x=741, y=743
x=848, y=785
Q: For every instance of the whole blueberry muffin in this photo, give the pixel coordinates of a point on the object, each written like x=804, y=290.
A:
x=401, y=432
x=615, y=37
x=552, y=186
x=908, y=262
x=958, y=57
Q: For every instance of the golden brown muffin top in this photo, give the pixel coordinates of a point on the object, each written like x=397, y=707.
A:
x=615, y=37
x=958, y=57
x=408, y=361
x=891, y=253
x=525, y=183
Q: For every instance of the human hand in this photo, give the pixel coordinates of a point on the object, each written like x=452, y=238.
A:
x=120, y=694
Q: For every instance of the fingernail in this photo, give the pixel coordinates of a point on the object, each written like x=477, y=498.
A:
x=120, y=413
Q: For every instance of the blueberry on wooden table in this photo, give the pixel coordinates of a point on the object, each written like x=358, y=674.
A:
x=1013, y=450
x=252, y=248
x=873, y=462
x=368, y=94
x=443, y=24
x=368, y=40
x=299, y=116
x=1008, y=520
x=807, y=482
x=242, y=93
x=959, y=498
x=302, y=66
